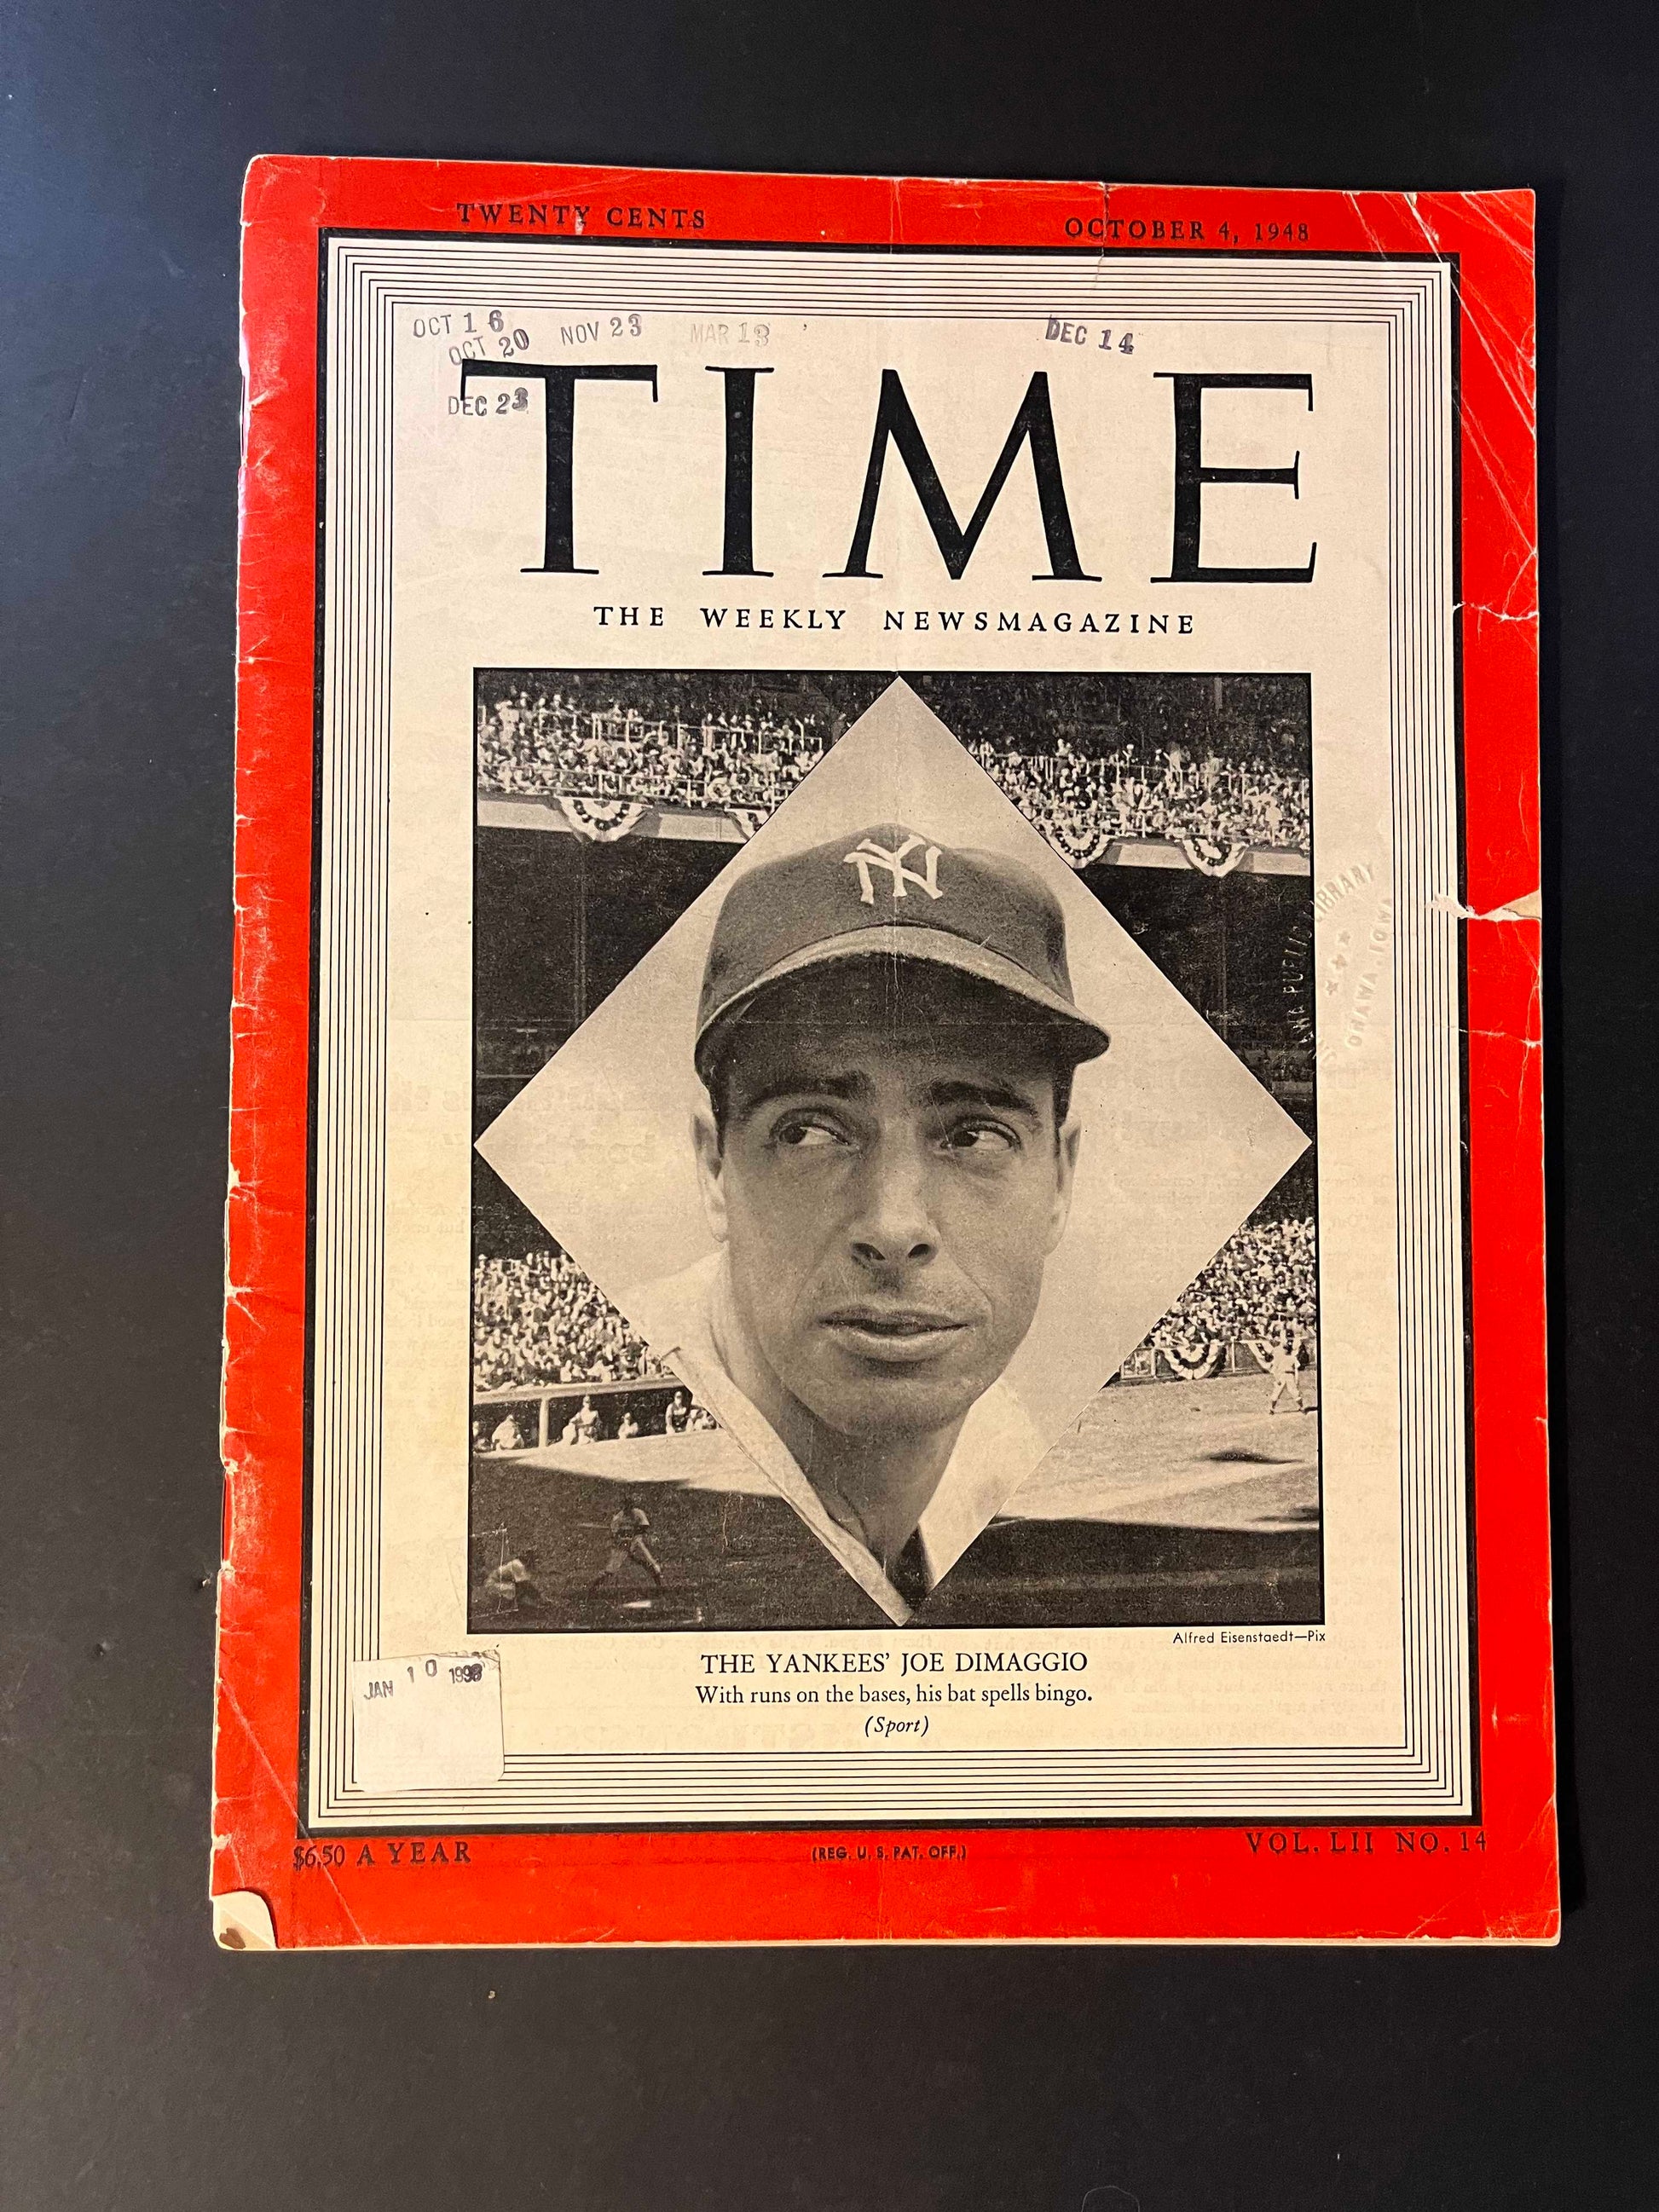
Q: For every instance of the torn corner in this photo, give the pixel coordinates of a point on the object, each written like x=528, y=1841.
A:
x=242, y=1922
x=1528, y=907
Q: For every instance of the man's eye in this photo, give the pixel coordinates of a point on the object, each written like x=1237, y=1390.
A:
x=808, y=1136
x=985, y=1138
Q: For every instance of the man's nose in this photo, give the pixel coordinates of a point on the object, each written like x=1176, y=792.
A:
x=894, y=1224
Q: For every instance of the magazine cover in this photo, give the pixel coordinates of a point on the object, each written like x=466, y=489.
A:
x=885, y=1243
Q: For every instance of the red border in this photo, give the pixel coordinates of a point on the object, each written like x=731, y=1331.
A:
x=1158, y=1883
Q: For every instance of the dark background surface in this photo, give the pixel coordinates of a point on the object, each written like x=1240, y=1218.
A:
x=142, y=2067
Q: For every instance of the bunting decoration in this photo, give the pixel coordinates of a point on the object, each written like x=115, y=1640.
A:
x=1078, y=847
x=1194, y=1361
x=601, y=821
x=1211, y=856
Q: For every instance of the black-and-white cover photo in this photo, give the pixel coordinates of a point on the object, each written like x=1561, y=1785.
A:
x=894, y=1194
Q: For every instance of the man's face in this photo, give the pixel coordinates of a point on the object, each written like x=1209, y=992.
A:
x=890, y=1184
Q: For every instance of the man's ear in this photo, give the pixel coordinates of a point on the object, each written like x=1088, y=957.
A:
x=1066, y=1151
x=711, y=1162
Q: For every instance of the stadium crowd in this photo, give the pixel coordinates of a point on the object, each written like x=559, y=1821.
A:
x=1173, y=793
x=550, y=745
x=1080, y=797
x=1259, y=1287
x=537, y=1319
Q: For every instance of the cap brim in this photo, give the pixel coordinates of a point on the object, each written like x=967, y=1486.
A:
x=1086, y=1040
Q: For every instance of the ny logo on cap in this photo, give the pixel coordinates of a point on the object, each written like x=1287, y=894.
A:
x=867, y=855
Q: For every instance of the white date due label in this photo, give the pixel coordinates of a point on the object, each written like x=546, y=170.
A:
x=431, y=1722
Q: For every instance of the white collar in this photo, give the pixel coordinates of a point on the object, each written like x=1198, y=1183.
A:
x=997, y=1449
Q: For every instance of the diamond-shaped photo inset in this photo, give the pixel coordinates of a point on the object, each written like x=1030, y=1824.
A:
x=867, y=1151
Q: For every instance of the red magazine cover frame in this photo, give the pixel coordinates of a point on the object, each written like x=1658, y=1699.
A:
x=1496, y=1879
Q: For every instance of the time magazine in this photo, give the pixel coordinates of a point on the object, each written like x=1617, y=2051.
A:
x=884, y=1247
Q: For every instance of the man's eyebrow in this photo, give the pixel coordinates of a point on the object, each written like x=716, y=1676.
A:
x=1001, y=1096
x=802, y=1083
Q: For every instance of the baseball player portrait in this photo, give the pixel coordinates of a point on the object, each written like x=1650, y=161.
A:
x=844, y=1142
x=886, y=1040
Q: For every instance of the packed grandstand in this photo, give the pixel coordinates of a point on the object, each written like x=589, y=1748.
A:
x=550, y=746
x=1214, y=791
x=538, y=1319
x=1258, y=1289
x=1083, y=802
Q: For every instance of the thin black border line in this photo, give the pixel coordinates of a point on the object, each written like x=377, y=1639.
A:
x=1318, y=1163
x=308, y=1423
x=1240, y=1623
x=904, y=676
x=1322, y=1441
x=1383, y=1824
x=1455, y=263
x=325, y=236
x=1082, y=250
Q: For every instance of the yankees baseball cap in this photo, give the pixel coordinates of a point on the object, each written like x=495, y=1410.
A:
x=891, y=891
